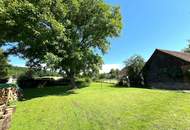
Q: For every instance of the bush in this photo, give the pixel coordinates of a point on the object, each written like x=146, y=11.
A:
x=124, y=82
x=26, y=80
x=83, y=82
x=88, y=80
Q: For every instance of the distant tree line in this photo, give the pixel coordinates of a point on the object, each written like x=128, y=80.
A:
x=113, y=74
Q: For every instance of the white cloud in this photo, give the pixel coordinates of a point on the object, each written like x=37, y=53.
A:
x=107, y=67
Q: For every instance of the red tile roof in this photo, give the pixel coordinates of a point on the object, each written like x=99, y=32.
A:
x=182, y=55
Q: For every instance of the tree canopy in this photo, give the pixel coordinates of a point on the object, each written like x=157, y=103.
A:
x=187, y=50
x=114, y=73
x=68, y=35
x=134, y=66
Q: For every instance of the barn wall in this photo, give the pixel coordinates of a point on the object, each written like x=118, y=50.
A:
x=171, y=85
x=165, y=71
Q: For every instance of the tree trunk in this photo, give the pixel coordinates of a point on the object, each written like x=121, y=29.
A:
x=72, y=83
x=71, y=77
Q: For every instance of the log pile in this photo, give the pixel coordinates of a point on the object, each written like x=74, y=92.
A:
x=5, y=117
x=8, y=95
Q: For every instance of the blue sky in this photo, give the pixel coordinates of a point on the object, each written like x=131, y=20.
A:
x=150, y=24
x=147, y=25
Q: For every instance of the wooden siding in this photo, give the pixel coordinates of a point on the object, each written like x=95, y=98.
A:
x=165, y=71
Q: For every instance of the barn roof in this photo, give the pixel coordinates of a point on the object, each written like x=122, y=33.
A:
x=181, y=55
x=123, y=72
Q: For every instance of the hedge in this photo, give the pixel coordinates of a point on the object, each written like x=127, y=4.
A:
x=8, y=86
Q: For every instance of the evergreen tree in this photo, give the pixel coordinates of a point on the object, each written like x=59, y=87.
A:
x=3, y=65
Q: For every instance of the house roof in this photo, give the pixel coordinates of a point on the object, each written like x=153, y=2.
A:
x=181, y=55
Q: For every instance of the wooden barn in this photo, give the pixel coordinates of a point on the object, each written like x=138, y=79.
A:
x=167, y=70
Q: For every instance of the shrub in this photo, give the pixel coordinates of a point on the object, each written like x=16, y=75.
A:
x=124, y=82
x=27, y=80
x=88, y=80
x=83, y=82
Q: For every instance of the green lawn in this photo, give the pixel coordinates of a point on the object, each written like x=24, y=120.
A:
x=103, y=108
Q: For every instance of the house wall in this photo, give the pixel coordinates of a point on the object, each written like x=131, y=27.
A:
x=166, y=72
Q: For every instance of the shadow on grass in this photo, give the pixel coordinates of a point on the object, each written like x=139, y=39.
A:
x=47, y=91
x=62, y=90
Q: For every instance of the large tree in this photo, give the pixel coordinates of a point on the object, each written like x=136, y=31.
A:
x=187, y=50
x=134, y=66
x=68, y=35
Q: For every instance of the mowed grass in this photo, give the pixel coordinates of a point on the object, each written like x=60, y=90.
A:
x=102, y=107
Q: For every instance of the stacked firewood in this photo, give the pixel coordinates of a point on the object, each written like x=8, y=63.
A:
x=5, y=117
x=7, y=96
